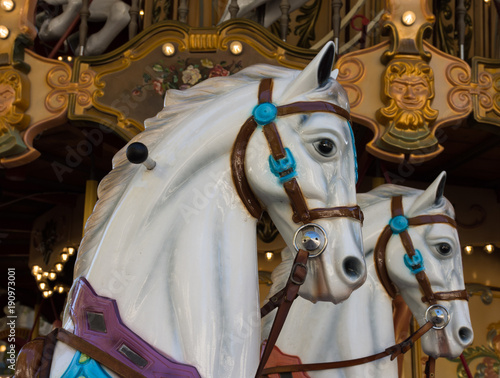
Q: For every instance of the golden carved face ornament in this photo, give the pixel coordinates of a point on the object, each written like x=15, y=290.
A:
x=7, y=97
x=408, y=93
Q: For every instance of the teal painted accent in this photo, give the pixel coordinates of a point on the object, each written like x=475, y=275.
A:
x=89, y=368
x=283, y=165
x=354, y=150
x=398, y=224
x=415, y=263
x=265, y=113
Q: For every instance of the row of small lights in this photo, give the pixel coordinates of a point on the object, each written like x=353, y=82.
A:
x=7, y=6
x=42, y=276
x=488, y=248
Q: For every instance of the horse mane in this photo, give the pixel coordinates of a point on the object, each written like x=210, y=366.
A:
x=178, y=106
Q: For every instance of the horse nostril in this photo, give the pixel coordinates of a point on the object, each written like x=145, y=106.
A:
x=354, y=268
x=465, y=334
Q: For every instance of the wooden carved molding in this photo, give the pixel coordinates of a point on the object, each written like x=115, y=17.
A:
x=130, y=83
x=414, y=98
x=485, y=91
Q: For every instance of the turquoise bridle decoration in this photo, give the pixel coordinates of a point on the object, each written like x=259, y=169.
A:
x=415, y=263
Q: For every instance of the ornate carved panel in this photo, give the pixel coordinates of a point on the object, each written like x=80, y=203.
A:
x=485, y=91
x=130, y=83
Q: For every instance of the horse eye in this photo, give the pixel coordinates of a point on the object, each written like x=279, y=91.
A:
x=444, y=249
x=325, y=147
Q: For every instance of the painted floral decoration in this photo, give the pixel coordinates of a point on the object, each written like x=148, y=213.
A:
x=184, y=74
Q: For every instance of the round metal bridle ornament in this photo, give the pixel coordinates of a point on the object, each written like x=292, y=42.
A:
x=438, y=315
x=312, y=238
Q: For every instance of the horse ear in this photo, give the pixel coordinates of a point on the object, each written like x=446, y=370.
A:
x=431, y=197
x=315, y=75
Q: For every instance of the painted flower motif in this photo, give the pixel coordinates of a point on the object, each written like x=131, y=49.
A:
x=207, y=63
x=136, y=92
x=191, y=75
x=218, y=70
x=158, y=86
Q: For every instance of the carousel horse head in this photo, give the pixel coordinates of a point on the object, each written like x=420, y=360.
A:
x=424, y=265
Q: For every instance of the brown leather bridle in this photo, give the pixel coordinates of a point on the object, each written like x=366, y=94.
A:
x=429, y=296
x=301, y=212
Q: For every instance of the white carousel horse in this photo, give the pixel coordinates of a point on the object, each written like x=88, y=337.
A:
x=114, y=12
x=363, y=325
x=175, y=246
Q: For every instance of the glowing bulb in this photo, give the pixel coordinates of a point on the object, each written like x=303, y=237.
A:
x=236, y=48
x=52, y=276
x=42, y=285
x=7, y=5
x=60, y=58
x=39, y=276
x=60, y=289
x=64, y=256
x=69, y=58
x=35, y=269
x=269, y=255
x=4, y=31
x=47, y=293
x=45, y=274
x=141, y=12
x=489, y=248
x=469, y=249
x=168, y=49
x=71, y=251
x=408, y=18
x=3, y=348
x=59, y=267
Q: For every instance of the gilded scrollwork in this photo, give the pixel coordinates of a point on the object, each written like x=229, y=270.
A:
x=408, y=114
x=59, y=79
x=351, y=71
x=14, y=100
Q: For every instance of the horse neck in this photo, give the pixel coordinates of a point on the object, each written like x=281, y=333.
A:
x=183, y=260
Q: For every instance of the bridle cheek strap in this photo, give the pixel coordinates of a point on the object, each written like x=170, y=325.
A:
x=301, y=212
x=429, y=296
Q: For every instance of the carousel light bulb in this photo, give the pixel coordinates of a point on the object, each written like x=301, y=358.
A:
x=408, y=18
x=45, y=274
x=35, y=269
x=269, y=255
x=7, y=5
x=168, y=49
x=469, y=249
x=489, y=248
x=38, y=276
x=60, y=58
x=3, y=348
x=69, y=58
x=236, y=48
x=141, y=12
x=59, y=267
x=52, y=276
x=47, y=293
x=64, y=256
x=71, y=251
x=42, y=285
x=60, y=289
x=4, y=32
